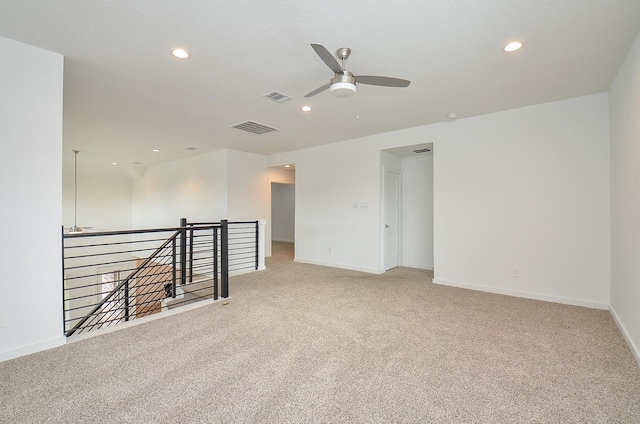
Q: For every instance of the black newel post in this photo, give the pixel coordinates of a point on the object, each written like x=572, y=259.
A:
x=191, y=254
x=173, y=273
x=224, y=257
x=183, y=251
x=215, y=263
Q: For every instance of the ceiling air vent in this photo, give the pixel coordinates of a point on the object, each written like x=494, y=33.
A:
x=254, y=127
x=422, y=150
x=277, y=97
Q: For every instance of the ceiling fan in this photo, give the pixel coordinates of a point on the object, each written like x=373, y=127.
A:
x=343, y=83
x=75, y=229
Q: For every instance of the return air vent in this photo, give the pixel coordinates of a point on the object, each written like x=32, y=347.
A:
x=422, y=150
x=254, y=127
x=277, y=97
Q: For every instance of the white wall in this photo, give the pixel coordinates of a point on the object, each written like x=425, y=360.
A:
x=104, y=201
x=31, y=188
x=624, y=98
x=194, y=188
x=283, y=212
x=225, y=184
x=249, y=188
x=526, y=187
x=329, y=180
x=417, y=211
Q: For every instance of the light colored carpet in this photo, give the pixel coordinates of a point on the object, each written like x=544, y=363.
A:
x=303, y=343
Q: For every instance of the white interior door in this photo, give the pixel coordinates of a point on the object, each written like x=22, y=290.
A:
x=391, y=217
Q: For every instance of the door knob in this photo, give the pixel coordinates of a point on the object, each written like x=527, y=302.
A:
x=387, y=225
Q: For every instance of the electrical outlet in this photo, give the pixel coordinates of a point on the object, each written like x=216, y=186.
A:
x=516, y=271
x=3, y=318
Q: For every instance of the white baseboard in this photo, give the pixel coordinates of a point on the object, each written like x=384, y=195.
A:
x=527, y=295
x=242, y=271
x=418, y=266
x=625, y=334
x=32, y=348
x=341, y=266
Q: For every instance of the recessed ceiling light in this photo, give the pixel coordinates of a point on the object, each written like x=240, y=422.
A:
x=114, y=163
x=306, y=108
x=513, y=46
x=452, y=115
x=287, y=166
x=155, y=150
x=180, y=53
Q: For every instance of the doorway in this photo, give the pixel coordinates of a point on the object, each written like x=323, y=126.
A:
x=391, y=218
x=283, y=202
x=415, y=165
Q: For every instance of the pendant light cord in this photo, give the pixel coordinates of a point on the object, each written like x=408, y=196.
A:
x=75, y=188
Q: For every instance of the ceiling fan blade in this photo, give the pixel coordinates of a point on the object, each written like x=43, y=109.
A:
x=383, y=81
x=327, y=58
x=318, y=90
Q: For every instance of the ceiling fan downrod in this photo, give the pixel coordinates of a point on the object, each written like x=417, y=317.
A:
x=343, y=53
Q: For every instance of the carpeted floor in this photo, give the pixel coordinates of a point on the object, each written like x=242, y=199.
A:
x=302, y=344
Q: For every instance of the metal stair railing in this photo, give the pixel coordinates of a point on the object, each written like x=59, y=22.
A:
x=150, y=285
x=123, y=283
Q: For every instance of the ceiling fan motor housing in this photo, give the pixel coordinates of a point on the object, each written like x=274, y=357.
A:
x=346, y=77
x=343, y=85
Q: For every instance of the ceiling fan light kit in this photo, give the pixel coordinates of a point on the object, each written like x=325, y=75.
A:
x=343, y=89
x=343, y=83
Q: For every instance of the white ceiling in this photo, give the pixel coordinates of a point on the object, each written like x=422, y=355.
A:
x=125, y=95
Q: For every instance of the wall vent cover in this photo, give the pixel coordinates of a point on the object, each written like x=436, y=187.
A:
x=277, y=97
x=422, y=150
x=254, y=127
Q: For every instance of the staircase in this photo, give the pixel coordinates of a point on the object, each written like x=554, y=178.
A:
x=199, y=289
